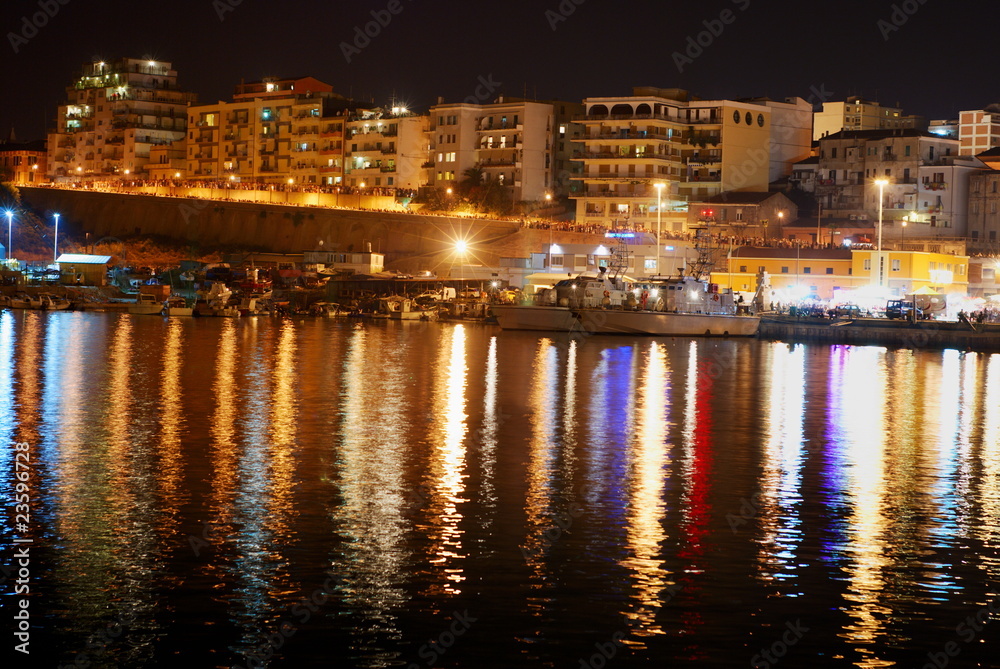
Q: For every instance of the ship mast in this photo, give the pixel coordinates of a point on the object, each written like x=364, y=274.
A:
x=705, y=262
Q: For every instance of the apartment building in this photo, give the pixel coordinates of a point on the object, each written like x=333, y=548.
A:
x=522, y=144
x=23, y=163
x=114, y=113
x=386, y=148
x=979, y=130
x=984, y=205
x=273, y=131
x=927, y=180
x=695, y=148
x=856, y=113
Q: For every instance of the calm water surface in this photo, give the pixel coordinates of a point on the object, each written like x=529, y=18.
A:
x=320, y=493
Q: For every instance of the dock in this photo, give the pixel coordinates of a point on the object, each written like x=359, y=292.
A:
x=882, y=332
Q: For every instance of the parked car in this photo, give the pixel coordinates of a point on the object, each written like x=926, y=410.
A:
x=901, y=309
x=847, y=311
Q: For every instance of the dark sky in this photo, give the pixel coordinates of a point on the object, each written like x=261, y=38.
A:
x=936, y=63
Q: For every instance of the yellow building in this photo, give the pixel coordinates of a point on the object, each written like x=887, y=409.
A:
x=801, y=273
x=797, y=272
x=907, y=271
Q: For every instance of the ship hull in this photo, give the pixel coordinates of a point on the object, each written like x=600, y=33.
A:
x=610, y=321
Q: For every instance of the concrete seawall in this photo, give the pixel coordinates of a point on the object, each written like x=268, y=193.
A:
x=881, y=332
x=410, y=241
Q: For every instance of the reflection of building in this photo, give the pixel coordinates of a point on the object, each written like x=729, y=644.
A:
x=696, y=148
x=858, y=114
x=114, y=114
x=22, y=162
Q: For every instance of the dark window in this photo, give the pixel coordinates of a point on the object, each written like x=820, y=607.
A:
x=749, y=118
x=743, y=268
x=784, y=270
x=760, y=120
x=808, y=270
x=829, y=270
x=736, y=116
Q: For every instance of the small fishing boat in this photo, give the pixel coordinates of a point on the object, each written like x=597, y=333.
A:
x=177, y=306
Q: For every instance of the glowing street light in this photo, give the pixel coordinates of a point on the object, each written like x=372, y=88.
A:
x=881, y=183
x=55, y=244
x=10, y=225
x=659, y=209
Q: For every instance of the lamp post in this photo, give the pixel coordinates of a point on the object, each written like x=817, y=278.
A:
x=881, y=183
x=10, y=225
x=55, y=244
x=906, y=219
x=659, y=209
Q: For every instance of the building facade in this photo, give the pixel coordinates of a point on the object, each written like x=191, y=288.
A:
x=926, y=178
x=386, y=148
x=115, y=112
x=274, y=131
x=23, y=163
x=695, y=148
x=859, y=114
x=979, y=130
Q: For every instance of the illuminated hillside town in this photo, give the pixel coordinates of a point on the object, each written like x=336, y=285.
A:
x=797, y=206
x=576, y=335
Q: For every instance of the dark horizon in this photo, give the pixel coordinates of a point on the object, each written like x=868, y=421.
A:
x=926, y=63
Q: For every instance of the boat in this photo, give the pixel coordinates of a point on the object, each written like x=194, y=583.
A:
x=23, y=301
x=686, y=305
x=177, y=306
x=51, y=302
x=145, y=305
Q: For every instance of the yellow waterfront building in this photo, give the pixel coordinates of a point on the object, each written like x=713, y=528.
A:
x=798, y=273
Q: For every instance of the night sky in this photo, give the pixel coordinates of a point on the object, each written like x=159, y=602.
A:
x=936, y=63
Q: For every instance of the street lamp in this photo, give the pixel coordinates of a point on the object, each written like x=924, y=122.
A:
x=659, y=208
x=55, y=244
x=10, y=224
x=359, y=194
x=906, y=219
x=881, y=183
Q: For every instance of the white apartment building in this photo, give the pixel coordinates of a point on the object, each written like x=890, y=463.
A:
x=386, y=148
x=115, y=112
x=696, y=149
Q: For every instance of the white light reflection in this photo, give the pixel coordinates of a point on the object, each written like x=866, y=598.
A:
x=447, y=466
x=371, y=463
x=858, y=382
x=645, y=531
x=542, y=400
x=780, y=485
x=491, y=425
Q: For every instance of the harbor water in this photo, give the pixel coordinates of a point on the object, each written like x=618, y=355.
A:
x=262, y=492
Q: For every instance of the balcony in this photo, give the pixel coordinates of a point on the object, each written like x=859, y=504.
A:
x=389, y=151
x=611, y=136
x=935, y=185
x=631, y=117
x=389, y=168
x=331, y=133
x=618, y=156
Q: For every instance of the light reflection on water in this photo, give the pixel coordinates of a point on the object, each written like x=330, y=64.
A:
x=201, y=476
